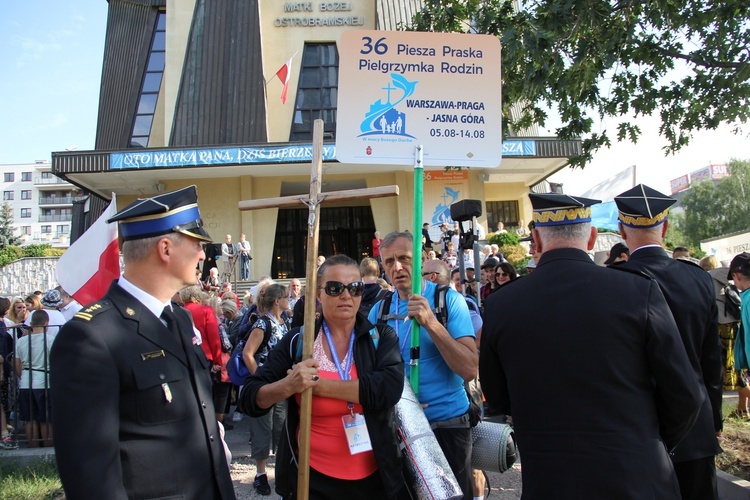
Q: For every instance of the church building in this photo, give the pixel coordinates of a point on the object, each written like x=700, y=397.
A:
x=223, y=94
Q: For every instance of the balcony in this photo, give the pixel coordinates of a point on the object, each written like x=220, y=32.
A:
x=55, y=200
x=49, y=181
x=56, y=218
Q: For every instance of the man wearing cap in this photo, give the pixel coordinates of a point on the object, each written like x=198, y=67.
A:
x=618, y=253
x=596, y=388
x=69, y=307
x=488, y=271
x=52, y=301
x=690, y=294
x=131, y=387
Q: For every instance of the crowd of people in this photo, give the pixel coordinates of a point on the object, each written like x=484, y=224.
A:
x=607, y=397
x=28, y=329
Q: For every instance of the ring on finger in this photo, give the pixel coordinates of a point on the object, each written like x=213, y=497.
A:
x=315, y=378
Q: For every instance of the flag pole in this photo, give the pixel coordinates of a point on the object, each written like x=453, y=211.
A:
x=416, y=259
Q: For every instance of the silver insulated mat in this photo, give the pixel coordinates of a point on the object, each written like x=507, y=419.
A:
x=493, y=448
x=427, y=470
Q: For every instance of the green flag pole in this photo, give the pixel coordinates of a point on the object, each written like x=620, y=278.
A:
x=416, y=277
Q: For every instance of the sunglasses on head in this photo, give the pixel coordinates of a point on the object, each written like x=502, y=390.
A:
x=336, y=288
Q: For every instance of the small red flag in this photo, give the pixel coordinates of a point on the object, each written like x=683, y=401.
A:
x=283, y=75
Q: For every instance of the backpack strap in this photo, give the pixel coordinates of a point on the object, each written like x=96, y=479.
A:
x=384, y=309
x=441, y=309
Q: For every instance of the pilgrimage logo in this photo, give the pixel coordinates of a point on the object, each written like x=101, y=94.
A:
x=383, y=119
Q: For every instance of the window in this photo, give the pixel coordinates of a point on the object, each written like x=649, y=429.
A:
x=317, y=91
x=7, y=195
x=63, y=229
x=9, y=176
x=25, y=213
x=47, y=175
x=26, y=194
x=502, y=211
x=150, y=86
x=26, y=230
x=26, y=176
x=46, y=229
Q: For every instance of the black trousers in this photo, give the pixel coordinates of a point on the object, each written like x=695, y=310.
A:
x=456, y=445
x=697, y=479
x=324, y=487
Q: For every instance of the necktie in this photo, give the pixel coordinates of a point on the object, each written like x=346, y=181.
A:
x=168, y=315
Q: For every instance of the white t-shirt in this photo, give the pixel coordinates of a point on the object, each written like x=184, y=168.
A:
x=56, y=320
x=38, y=360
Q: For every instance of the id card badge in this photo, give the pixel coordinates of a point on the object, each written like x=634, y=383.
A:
x=357, y=436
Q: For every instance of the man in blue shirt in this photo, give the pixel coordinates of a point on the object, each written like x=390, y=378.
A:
x=448, y=354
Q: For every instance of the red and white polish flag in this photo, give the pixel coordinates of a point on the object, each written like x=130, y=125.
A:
x=283, y=73
x=87, y=268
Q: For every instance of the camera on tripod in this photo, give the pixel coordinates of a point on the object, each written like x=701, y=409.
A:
x=463, y=211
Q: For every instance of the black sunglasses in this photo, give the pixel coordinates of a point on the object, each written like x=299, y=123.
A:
x=336, y=288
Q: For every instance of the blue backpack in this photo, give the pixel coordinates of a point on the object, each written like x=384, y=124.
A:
x=236, y=368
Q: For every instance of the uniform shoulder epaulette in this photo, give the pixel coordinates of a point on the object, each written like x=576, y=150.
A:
x=685, y=261
x=88, y=312
x=631, y=271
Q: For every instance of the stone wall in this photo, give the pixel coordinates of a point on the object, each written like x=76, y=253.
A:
x=23, y=276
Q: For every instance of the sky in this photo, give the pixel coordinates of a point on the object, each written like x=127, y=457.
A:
x=51, y=58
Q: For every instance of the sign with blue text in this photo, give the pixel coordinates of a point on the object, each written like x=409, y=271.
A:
x=400, y=89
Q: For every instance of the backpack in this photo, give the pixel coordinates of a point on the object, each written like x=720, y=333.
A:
x=732, y=301
x=441, y=313
x=236, y=368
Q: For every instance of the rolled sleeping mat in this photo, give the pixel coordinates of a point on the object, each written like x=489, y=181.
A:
x=427, y=471
x=493, y=447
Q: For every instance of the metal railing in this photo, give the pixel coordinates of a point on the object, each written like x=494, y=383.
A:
x=55, y=200
x=56, y=218
x=22, y=399
x=41, y=181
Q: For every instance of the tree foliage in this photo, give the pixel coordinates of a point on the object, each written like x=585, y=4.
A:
x=7, y=231
x=585, y=59
x=500, y=239
x=713, y=210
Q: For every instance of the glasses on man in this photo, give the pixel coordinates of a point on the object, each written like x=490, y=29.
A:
x=336, y=288
x=428, y=273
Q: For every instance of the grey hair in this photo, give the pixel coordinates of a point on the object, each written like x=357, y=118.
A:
x=138, y=250
x=391, y=238
x=191, y=294
x=573, y=235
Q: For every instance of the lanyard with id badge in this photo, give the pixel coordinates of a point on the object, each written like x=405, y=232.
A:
x=355, y=427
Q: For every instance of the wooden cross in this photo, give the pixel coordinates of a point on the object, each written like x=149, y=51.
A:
x=313, y=223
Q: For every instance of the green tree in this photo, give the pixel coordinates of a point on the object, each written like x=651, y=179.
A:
x=587, y=59
x=7, y=231
x=712, y=210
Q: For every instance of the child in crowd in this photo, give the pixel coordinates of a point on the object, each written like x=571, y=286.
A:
x=32, y=368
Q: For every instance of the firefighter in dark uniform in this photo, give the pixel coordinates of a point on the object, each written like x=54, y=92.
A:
x=690, y=294
x=131, y=387
x=588, y=363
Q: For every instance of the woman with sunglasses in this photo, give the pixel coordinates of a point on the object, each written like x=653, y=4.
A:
x=505, y=273
x=356, y=376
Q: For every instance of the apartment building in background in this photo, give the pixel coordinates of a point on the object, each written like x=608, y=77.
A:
x=42, y=203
